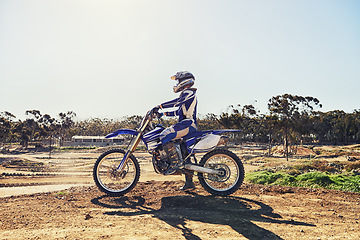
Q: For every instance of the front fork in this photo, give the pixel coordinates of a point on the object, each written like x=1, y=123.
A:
x=132, y=147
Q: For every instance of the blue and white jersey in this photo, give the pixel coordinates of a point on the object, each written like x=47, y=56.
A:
x=186, y=104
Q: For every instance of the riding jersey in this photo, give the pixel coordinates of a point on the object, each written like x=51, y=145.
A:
x=186, y=103
x=187, y=108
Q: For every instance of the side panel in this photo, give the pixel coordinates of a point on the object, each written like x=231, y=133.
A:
x=204, y=141
x=207, y=143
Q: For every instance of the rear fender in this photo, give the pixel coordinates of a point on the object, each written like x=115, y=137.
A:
x=217, y=132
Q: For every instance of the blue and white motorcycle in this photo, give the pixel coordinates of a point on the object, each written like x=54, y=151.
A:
x=220, y=171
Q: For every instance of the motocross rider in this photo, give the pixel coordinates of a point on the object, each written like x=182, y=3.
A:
x=186, y=105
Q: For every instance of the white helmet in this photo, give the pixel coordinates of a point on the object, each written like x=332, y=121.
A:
x=184, y=79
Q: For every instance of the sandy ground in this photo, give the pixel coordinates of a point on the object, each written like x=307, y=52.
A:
x=156, y=209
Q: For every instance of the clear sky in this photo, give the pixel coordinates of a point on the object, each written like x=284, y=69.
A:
x=115, y=58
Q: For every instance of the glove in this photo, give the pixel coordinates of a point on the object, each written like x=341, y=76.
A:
x=155, y=109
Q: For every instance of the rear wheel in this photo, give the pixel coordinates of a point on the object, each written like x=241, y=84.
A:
x=112, y=181
x=232, y=172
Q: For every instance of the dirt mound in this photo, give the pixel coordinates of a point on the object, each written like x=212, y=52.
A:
x=304, y=151
x=157, y=210
x=296, y=150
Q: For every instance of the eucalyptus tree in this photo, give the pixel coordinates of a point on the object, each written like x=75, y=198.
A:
x=65, y=124
x=210, y=121
x=290, y=112
x=6, y=126
x=244, y=118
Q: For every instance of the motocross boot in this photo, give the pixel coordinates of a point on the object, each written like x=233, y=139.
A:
x=174, y=155
x=189, y=184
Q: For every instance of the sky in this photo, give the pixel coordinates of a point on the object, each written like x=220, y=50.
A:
x=111, y=59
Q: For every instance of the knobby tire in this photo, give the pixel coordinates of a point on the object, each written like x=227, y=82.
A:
x=205, y=179
x=111, y=173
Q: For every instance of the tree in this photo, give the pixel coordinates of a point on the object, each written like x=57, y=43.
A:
x=65, y=123
x=291, y=112
x=6, y=125
x=210, y=121
x=245, y=118
x=32, y=125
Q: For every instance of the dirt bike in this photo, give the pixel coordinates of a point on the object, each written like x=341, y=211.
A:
x=220, y=171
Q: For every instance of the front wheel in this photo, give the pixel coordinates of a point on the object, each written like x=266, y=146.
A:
x=232, y=172
x=112, y=181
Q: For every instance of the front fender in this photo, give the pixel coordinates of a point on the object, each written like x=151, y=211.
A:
x=121, y=131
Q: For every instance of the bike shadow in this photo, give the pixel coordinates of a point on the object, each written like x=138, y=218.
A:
x=237, y=212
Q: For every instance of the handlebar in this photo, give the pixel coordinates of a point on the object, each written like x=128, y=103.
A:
x=154, y=113
x=148, y=118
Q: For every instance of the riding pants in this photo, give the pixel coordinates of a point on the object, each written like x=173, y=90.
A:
x=178, y=130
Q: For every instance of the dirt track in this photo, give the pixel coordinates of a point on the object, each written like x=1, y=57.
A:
x=157, y=210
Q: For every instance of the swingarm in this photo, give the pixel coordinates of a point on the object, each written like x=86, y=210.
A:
x=197, y=168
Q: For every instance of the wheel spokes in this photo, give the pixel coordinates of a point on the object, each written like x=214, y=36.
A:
x=113, y=179
x=230, y=171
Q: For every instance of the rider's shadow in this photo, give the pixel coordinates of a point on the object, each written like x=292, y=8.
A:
x=236, y=212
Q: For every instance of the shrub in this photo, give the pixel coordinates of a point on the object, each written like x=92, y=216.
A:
x=264, y=177
x=310, y=179
x=315, y=178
